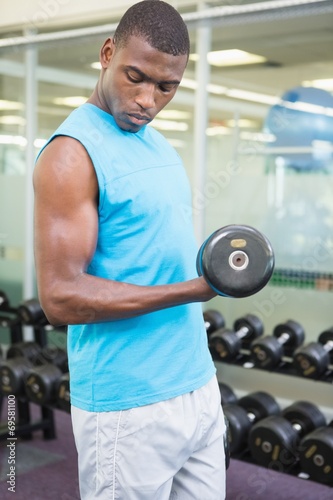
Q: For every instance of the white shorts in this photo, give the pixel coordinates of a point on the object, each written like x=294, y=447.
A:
x=169, y=450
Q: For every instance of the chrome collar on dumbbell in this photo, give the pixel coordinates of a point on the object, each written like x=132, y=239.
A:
x=236, y=261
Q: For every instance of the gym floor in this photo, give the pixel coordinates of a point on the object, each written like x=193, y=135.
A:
x=47, y=470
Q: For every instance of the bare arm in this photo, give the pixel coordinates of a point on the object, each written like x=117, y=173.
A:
x=66, y=224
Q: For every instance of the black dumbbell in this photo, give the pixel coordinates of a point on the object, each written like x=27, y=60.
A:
x=4, y=301
x=41, y=382
x=227, y=394
x=225, y=344
x=20, y=357
x=274, y=441
x=313, y=359
x=316, y=454
x=267, y=352
x=241, y=416
x=236, y=261
x=63, y=393
x=213, y=320
x=31, y=313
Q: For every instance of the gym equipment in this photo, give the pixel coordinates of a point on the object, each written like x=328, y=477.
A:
x=20, y=357
x=227, y=394
x=274, y=441
x=241, y=416
x=225, y=344
x=316, y=454
x=4, y=301
x=236, y=261
x=313, y=359
x=267, y=352
x=63, y=393
x=31, y=313
x=41, y=381
x=213, y=320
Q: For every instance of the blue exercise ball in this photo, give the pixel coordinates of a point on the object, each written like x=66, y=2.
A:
x=303, y=121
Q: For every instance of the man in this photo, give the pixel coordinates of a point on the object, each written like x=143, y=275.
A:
x=115, y=260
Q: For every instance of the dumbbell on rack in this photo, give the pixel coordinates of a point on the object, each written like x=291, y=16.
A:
x=213, y=321
x=20, y=357
x=63, y=393
x=274, y=441
x=241, y=416
x=225, y=344
x=227, y=394
x=41, y=382
x=313, y=359
x=316, y=454
x=267, y=352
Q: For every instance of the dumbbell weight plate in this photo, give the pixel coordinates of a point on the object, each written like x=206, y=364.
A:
x=213, y=320
x=305, y=414
x=12, y=375
x=31, y=313
x=224, y=344
x=296, y=335
x=236, y=261
x=227, y=394
x=41, y=384
x=316, y=455
x=239, y=427
x=63, y=393
x=273, y=442
x=311, y=360
x=4, y=301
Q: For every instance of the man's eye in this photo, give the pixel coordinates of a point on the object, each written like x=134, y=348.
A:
x=134, y=78
x=166, y=88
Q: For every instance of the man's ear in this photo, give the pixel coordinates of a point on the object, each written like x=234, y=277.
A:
x=106, y=52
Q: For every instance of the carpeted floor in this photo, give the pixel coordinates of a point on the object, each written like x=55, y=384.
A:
x=47, y=470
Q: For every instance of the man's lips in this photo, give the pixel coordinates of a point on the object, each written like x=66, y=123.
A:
x=139, y=118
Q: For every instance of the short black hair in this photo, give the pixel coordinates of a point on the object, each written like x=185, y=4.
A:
x=158, y=23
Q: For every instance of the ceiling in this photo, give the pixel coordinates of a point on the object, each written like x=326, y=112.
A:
x=297, y=43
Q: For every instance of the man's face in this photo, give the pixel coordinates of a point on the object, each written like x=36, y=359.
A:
x=137, y=82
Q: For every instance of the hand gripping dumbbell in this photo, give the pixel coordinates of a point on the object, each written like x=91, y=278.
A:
x=313, y=359
x=274, y=441
x=267, y=352
x=236, y=261
x=213, y=320
x=225, y=344
x=316, y=454
x=20, y=357
x=41, y=382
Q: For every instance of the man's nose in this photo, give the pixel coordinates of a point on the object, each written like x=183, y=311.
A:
x=146, y=96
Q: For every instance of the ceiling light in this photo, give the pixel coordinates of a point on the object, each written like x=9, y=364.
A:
x=232, y=57
x=10, y=105
x=174, y=114
x=96, y=65
x=324, y=83
x=169, y=125
x=12, y=120
x=73, y=101
x=252, y=96
x=217, y=130
x=242, y=123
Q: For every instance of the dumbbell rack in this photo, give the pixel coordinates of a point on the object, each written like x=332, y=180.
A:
x=24, y=426
x=231, y=369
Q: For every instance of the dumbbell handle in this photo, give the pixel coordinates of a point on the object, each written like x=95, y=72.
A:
x=242, y=332
x=283, y=338
x=328, y=346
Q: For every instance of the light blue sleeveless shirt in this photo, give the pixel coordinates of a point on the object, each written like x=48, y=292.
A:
x=145, y=237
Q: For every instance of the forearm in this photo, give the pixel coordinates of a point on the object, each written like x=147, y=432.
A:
x=90, y=299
